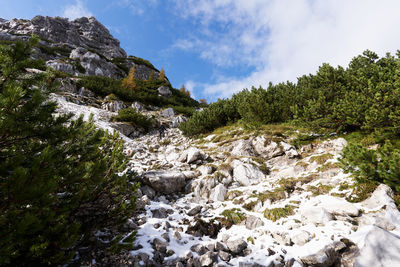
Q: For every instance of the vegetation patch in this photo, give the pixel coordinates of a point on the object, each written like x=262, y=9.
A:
x=361, y=191
x=321, y=159
x=328, y=166
x=250, y=205
x=235, y=215
x=320, y=189
x=277, y=213
x=137, y=119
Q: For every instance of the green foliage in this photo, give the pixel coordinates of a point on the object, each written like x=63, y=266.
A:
x=55, y=50
x=135, y=118
x=141, y=61
x=235, y=216
x=145, y=91
x=376, y=166
x=185, y=110
x=364, y=96
x=277, y=213
x=59, y=178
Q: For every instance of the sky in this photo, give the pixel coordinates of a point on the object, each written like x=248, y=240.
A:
x=219, y=47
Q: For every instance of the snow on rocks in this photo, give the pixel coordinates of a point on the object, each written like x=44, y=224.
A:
x=188, y=186
x=246, y=174
x=167, y=182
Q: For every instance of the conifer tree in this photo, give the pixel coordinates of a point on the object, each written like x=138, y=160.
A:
x=161, y=76
x=59, y=178
x=184, y=91
x=151, y=76
x=129, y=82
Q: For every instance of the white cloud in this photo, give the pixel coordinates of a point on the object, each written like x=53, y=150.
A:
x=76, y=10
x=284, y=39
x=190, y=85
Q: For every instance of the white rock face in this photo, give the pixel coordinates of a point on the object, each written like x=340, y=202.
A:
x=193, y=154
x=315, y=215
x=169, y=112
x=243, y=148
x=300, y=237
x=114, y=106
x=381, y=248
x=218, y=193
x=246, y=174
x=267, y=148
x=338, y=206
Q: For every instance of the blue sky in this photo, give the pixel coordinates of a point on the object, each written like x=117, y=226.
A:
x=218, y=47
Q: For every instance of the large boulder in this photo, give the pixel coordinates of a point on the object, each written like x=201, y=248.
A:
x=327, y=256
x=126, y=129
x=164, y=91
x=194, y=154
x=167, y=182
x=243, y=148
x=338, y=206
x=236, y=246
x=315, y=215
x=267, y=148
x=246, y=174
x=379, y=248
x=218, y=193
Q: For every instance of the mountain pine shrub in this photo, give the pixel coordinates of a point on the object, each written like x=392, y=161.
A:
x=60, y=179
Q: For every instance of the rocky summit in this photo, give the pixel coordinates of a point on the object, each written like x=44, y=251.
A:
x=234, y=197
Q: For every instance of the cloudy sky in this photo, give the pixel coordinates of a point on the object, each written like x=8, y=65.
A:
x=218, y=47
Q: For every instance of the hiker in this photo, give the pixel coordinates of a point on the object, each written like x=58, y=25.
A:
x=162, y=130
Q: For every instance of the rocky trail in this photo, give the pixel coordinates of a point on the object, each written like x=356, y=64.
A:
x=234, y=199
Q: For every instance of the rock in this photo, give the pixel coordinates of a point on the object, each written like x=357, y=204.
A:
x=193, y=154
x=199, y=249
x=218, y=193
x=205, y=170
x=255, y=264
x=253, y=222
x=315, y=215
x=208, y=258
x=167, y=182
x=113, y=106
x=159, y=213
x=243, y=148
x=164, y=91
x=246, y=174
x=177, y=235
x=176, y=122
x=300, y=237
x=380, y=248
x=194, y=211
x=290, y=150
x=138, y=106
x=266, y=148
x=160, y=246
x=236, y=246
x=169, y=112
x=60, y=66
x=282, y=238
x=225, y=256
x=148, y=191
x=85, y=92
x=338, y=206
x=324, y=257
x=126, y=129
x=204, y=187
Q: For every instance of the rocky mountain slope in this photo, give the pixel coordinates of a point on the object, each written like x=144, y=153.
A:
x=233, y=198
x=66, y=43
x=236, y=199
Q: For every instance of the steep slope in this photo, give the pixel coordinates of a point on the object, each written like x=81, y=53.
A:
x=232, y=198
